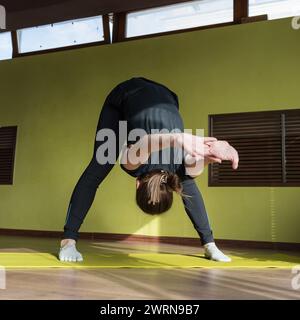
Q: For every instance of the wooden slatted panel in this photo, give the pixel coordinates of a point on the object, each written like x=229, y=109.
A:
x=257, y=138
x=292, y=147
x=7, y=152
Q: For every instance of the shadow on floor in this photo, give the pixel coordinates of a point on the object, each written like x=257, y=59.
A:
x=108, y=249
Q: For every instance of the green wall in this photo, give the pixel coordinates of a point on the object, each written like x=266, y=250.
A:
x=55, y=100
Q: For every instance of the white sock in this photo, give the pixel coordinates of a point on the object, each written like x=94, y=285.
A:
x=69, y=253
x=213, y=253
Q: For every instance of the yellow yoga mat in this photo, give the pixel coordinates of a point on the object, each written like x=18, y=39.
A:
x=15, y=260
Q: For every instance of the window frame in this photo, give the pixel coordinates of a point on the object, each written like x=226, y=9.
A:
x=238, y=13
x=105, y=23
x=283, y=113
x=241, y=15
x=12, y=47
x=119, y=25
x=267, y=14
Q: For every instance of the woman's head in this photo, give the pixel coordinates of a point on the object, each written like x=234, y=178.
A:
x=154, y=192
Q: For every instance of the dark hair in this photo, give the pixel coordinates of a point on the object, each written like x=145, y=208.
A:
x=155, y=192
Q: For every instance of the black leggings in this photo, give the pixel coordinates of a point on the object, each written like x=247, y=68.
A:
x=86, y=187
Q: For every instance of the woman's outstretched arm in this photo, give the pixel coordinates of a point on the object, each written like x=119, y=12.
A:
x=139, y=152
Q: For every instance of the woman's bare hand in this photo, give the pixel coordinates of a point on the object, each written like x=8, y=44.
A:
x=222, y=150
x=196, y=146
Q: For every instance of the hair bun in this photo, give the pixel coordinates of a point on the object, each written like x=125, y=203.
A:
x=173, y=181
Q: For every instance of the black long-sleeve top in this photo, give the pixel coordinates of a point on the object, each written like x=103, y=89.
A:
x=151, y=106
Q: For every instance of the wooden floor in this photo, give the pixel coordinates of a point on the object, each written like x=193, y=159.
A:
x=139, y=283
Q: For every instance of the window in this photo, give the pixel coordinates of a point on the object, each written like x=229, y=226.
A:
x=7, y=153
x=5, y=46
x=61, y=34
x=275, y=9
x=268, y=144
x=179, y=16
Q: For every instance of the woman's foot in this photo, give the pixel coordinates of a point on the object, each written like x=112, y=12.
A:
x=213, y=253
x=68, y=251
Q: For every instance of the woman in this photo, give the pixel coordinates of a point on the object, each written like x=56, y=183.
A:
x=162, y=163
